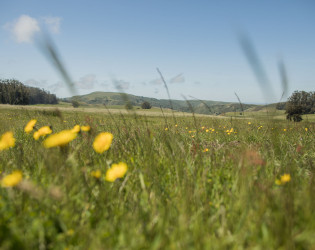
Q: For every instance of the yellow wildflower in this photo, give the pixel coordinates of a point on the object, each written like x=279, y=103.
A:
x=12, y=180
x=30, y=125
x=285, y=178
x=176, y=125
x=166, y=129
x=96, y=174
x=46, y=130
x=306, y=129
x=116, y=171
x=284, y=129
x=249, y=123
x=59, y=139
x=76, y=129
x=85, y=128
x=7, y=141
x=102, y=142
x=207, y=130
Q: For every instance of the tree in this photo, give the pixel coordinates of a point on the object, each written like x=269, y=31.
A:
x=75, y=104
x=146, y=105
x=300, y=103
x=128, y=106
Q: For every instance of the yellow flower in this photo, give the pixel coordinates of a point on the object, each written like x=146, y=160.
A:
x=306, y=129
x=285, y=178
x=166, y=129
x=176, y=125
x=12, y=180
x=102, y=142
x=85, y=128
x=249, y=123
x=96, y=174
x=30, y=125
x=76, y=129
x=46, y=130
x=60, y=139
x=284, y=129
x=7, y=141
x=116, y=171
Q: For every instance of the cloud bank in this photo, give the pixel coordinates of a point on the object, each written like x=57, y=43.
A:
x=25, y=27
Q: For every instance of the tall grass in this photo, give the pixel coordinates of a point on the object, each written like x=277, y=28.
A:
x=191, y=186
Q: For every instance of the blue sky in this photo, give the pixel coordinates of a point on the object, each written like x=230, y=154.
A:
x=195, y=44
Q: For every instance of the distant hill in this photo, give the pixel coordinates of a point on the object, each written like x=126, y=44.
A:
x=198, y=106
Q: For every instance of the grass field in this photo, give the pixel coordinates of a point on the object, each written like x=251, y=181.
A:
x=192, y=182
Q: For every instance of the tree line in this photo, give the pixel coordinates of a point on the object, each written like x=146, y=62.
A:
x=300, y=103
x=16, y=93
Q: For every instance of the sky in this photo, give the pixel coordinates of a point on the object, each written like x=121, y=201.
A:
x=117, y=45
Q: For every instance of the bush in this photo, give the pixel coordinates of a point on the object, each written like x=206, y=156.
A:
x=75, y=104
x=146, y=105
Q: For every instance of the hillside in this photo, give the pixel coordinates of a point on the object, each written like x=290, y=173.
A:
x=197, y=106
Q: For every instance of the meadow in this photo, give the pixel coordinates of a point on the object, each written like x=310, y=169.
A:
x=192, y=182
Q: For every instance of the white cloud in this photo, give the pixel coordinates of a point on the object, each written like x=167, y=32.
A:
x=156, y=81
x=121, y=84
x=53, y=24
x=178, y=79
x=35, y=83
x=23, y=29
x=86, y=82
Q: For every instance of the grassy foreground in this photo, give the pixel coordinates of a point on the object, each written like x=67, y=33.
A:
x=200, y=183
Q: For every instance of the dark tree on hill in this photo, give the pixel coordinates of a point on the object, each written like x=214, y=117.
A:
x=75, y=104
x=128, y=106
x=146, y=105
x=15, y=93
x=300, y=103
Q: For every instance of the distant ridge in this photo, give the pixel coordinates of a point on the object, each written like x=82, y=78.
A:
x=199, y=106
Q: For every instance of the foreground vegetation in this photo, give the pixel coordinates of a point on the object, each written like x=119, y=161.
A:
x=191, y=183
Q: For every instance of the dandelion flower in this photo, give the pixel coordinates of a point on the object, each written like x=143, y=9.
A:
x=116, y=171
x=85, y=128
x=285, y=178
x=7, y=141
x=96, y=174
x=102, y=142
x=30, y=125
x=46, y=130
x=12, y=180
x=76, y=129
x=59, y=139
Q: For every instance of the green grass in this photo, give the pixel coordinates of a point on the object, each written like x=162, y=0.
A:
x=187, y=187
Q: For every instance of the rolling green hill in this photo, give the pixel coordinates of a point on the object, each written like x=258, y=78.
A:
x=197, y=106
